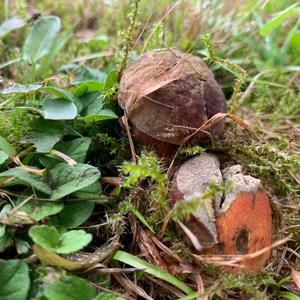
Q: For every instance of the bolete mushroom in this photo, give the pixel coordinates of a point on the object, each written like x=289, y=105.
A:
x=167, y=95
x=236, y=222
x=190, y=182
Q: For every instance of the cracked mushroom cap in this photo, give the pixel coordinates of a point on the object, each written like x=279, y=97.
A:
x=244, y=228
x=191, y=181
x=167, y=94
x=237, y=221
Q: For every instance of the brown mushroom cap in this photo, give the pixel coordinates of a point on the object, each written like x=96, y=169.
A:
x=167, y=94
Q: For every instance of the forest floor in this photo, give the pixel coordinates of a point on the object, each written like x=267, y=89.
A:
x=79, y=219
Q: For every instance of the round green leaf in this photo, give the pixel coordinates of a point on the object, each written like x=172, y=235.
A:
x=46, y=236
x=59, y=109
x=68, y=242
x=74, y=240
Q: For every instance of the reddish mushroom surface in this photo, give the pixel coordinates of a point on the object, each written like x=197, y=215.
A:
x=168, y=94
x=237, y=221
x=246, y=227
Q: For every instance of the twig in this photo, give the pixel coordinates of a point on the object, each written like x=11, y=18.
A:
x=127, y=128
x=237, y=260
x=112, y=180
x=250, y=87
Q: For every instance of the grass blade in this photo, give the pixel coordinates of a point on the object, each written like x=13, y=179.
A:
x=151, y=269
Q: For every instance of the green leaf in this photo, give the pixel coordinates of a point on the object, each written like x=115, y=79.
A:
x=127, y=206
x=60, y=93
x=111, y=80
x=275, y=22
x=92, y=103
x=74, y=240
x=76, y=213
x=151, y=269
x=41, y=209
x=6, y=241
x=76, y=149
x=3, y=157
x=41, y=38
x=44, y=65
x=20, y=89
x=65, y=94
x=84, y=74
x=88, y=87
x=59, y=109
x=69, y=288
x=92, y=191
x=289, y=295
x=36, y=181
x=104, y=114
x=64, y=179
x=69, y=179
x=46, y=236
x=108, y=296
x=44, y=141
x=92, y=110
x=2, y=230
x=11, y=24
x=67, y=242
x=6, y=147
x=295, y=40
x=15, y=281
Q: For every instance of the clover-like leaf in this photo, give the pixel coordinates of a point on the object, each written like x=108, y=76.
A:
x=67, y=242
x=59, y=109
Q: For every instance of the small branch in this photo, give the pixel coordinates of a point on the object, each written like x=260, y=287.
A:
x=127, y=128
x=112, y=180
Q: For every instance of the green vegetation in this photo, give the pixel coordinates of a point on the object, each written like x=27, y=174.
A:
x=80, y=220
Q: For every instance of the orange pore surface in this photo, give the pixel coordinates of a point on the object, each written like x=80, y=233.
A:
x=246, y=227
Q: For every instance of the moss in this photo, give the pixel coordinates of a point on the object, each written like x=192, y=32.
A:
x=263, y=160
x=14, y=126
